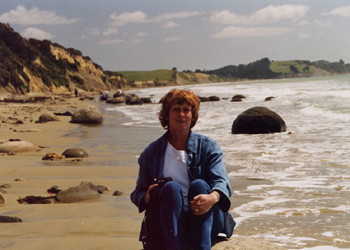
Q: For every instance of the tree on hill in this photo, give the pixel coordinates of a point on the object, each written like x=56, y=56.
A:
x=293, y=69
x=259, y=69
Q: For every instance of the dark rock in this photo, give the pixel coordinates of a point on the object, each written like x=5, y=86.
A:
x=214, y=98
x=31, y=199
x=75, y=153
x=118, y=193
x=239, y=96
x=258, y=120
x=269, y=98
x=5, y=185
x=87, y=115
x=204, y=99
x=133, y=99
x=9, y=219
x=236, y=99
x=67, y=113
x=54, y=189
x=84, y=192
x=146, y=100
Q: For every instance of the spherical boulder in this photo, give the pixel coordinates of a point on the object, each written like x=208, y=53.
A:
x=258, y=120
x=87, y=115
x=75, y=153
x=17, y=146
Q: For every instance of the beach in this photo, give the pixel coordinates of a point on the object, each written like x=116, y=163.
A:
x=111, y=222
x=289, y=188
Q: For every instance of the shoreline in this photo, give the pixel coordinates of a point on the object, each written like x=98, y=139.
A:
x=112, y=222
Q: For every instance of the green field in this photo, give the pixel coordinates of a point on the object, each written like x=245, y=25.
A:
x=160, y=74
x=283, y=66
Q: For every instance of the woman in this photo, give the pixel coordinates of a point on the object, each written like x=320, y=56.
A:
x=193, y=206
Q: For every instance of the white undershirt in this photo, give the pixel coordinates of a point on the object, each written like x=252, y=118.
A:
x=175, y=166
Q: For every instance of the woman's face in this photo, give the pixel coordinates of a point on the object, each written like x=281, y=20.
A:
x=180, y=117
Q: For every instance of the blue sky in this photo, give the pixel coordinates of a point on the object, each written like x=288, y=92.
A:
x=196, y=34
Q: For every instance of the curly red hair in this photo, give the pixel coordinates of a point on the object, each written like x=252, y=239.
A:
x=178, y=96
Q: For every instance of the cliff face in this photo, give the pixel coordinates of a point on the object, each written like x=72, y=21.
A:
x=181, y=78
x=33, y=66
x=195, y=78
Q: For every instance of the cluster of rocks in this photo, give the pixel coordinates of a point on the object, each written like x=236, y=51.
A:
x=85, y=191
x=128, y=99
x=3, y=218
x=68, y=153
x=235, y=98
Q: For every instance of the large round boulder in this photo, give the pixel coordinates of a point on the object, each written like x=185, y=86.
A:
x=258, y=120
x=17, y=146
x=89, y=115
x=75, y=153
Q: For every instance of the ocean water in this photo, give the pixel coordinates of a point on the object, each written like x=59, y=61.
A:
x=297, y=183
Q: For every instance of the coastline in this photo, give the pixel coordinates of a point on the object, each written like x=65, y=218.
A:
x=112, y=222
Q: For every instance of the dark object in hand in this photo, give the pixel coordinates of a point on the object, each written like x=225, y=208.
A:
x=161, y=182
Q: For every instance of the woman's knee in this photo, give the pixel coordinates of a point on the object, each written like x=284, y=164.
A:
x=171, y=188
x=198, y=186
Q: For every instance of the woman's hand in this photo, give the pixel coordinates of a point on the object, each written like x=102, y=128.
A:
x=148, y=196
x=202, y=203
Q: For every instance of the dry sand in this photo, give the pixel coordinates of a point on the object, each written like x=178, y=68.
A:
x=112, y=222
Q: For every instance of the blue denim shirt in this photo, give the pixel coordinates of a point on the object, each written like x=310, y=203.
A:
x=204, y=162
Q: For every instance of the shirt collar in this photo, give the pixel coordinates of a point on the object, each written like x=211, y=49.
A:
x=191, y=142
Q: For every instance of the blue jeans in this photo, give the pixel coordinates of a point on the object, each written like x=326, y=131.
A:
x=180, y=226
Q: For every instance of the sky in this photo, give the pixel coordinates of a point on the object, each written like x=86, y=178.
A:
x=125, y=35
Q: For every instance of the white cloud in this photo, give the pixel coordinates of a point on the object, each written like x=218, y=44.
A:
x=110, y=41
x=141, y=17
x=177, y=15
x=34, y=16
x=110, y=31
x=36, y=33
x=171, y=24
x=173, y=39
x=233, y=31
x=128, y=17
x=341, y=11
x=270, y=14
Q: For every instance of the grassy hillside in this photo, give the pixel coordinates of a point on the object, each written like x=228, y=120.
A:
x=160, y=74
x=283, y=67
